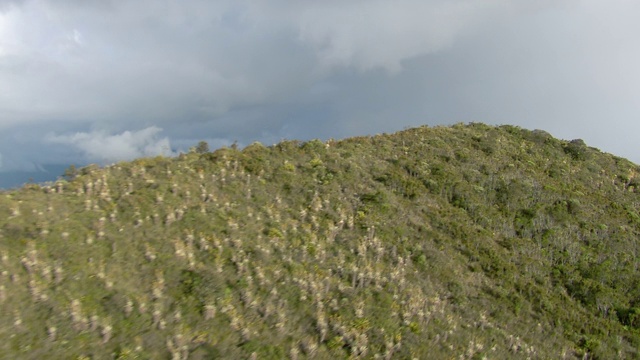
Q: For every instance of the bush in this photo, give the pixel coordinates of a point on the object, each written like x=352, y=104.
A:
x=577, y=149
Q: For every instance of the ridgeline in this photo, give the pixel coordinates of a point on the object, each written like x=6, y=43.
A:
x=464, y=242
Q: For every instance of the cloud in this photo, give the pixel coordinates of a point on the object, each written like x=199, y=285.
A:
x=7, y=4
x=102, y=147
x=381, y=34
x=267, y=70
x=199, y=60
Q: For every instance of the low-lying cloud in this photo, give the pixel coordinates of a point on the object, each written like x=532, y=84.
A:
x=102, y=147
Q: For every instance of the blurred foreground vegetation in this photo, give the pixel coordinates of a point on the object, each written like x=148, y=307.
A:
x=464, y=242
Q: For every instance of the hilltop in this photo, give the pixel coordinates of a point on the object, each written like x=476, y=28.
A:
x=469, y=241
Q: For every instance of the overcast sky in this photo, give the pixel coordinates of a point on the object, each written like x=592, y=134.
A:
x=104, y=80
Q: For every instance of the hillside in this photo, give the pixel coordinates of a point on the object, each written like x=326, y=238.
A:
x=464, y=242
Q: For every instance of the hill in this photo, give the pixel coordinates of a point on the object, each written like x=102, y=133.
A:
x=468, y=241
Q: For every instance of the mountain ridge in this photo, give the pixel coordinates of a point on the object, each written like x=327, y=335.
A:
x=470, y=240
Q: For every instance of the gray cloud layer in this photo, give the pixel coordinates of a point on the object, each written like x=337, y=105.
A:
x=98, y=80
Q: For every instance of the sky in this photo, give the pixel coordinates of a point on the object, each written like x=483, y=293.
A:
x=99, y=81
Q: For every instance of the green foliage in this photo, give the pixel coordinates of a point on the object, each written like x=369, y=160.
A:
x=471, y=240
x=202, y=147
x=629, y=316
x=577, y=149
x=70, y=173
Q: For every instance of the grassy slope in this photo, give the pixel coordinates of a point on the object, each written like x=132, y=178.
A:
x=468, y=240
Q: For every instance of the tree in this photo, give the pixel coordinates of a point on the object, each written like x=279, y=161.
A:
x=70, y=173
x=202, y=147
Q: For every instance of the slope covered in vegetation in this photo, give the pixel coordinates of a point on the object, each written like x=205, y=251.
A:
x=468, y=241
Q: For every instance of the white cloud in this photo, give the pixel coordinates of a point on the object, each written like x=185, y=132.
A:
x=379, y=33
x=5, y=33
x=77, y=37
x=102, y=147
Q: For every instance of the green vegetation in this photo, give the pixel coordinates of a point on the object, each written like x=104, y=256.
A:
x=468, y=241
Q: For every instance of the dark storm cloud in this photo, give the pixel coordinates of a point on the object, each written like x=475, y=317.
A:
x=106, y=80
